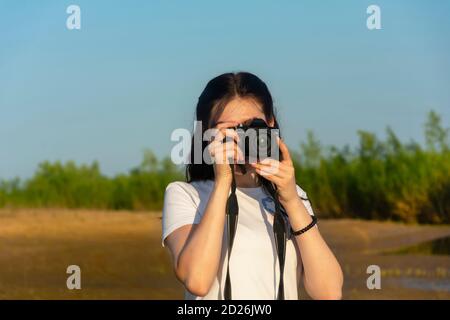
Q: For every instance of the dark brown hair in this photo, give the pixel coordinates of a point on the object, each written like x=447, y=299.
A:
x=216, y=95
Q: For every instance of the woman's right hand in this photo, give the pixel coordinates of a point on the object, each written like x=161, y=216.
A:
x=198, y=246
x=226, y=152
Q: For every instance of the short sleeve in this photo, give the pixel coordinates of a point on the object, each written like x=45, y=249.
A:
x=179, y=208
x=304, y=197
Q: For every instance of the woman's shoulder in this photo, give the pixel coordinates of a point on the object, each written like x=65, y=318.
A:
x=192, y=188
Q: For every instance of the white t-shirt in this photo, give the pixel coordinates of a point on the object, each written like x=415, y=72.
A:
x=254, y=267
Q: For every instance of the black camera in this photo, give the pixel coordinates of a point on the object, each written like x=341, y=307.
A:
x=258, y=140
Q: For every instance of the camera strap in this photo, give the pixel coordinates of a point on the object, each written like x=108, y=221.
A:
x=232, y=212
x=279, y=229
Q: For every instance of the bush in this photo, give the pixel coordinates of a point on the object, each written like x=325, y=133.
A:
x=383, y=180
x=70, y=186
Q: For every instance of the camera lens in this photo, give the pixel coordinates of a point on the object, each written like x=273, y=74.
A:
x=263, y=144
x=262, y=141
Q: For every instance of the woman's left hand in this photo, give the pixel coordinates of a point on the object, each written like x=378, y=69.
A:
x=322, y=273
x=281, y=173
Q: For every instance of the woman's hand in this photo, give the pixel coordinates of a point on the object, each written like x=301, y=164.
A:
x=224, y=153
x=323, y=276
x=281, y=173
x=198, y=246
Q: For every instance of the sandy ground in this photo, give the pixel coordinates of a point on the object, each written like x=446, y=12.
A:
x=121, y=257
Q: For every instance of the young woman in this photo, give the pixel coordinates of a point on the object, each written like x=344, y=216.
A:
x=194, y=214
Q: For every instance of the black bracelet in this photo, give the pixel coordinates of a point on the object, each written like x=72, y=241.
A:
x=309, y=226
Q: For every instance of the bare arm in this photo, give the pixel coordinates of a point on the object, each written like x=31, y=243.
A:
x=323, y=277
x=322, y=274
x=196, y=249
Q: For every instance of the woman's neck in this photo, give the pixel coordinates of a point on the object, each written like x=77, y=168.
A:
x=247, y=180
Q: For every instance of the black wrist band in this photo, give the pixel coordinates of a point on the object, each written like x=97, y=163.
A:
x=309, y=226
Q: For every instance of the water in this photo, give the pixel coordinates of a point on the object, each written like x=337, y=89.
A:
x=426, y=284
x=440, y=246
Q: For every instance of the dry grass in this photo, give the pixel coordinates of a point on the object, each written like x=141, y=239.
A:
x=121, y=257
x=119, y=254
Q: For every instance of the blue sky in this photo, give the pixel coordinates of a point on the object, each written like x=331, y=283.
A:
x=134, y=71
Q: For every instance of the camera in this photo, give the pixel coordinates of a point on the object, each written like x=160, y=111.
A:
x=258, y=140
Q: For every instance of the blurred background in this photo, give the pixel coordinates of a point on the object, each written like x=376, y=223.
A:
x=86, y=117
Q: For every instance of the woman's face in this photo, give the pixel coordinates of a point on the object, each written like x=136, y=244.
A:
x=240, y=110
